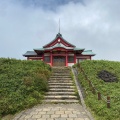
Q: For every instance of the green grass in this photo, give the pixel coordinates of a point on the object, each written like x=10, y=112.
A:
x=22, y=84
x=76, y=91
x=99, y=108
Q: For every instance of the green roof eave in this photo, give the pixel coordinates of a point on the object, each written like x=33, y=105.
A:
x=77, y=49
x=30, y=53
x=39, y=49
x=88, y=52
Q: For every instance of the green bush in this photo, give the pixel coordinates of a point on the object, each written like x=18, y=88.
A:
x=22, y=84
x=111, y=89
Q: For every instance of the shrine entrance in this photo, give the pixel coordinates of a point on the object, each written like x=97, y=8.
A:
x=58, y=61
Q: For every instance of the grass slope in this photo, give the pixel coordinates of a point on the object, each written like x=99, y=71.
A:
x=22, y=84
x=112, y=89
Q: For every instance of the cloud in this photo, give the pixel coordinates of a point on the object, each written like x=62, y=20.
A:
x=45, y=4
x=88, y=24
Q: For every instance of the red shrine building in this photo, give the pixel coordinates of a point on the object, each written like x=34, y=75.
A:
x=59, y=52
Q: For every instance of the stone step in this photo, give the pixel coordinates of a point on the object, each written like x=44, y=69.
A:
x=61, y=87
x=65, y=68
x=61, y=84
x=61, y=74
x=60, y=78
x=61, y=101
x=60, y=81
x=60, y=69
x=58, y=73
x=60, y=93
x=65, y=83
x=60, y=97
x=61, y=90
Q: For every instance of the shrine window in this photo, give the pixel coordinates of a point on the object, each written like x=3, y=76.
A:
x=47, y=59
x=71, y=59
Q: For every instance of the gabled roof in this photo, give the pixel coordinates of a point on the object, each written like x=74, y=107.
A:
x=59, y=45
x=58, y=36
x=88, y=52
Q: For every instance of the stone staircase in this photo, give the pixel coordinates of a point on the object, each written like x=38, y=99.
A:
x=61, y=87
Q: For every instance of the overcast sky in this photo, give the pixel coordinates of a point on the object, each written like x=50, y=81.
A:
x=90, y=24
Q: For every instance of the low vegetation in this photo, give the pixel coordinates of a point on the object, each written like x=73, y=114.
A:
x=22, y=84
x=112, y=89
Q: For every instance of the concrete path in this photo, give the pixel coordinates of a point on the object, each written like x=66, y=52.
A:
x=54, y=112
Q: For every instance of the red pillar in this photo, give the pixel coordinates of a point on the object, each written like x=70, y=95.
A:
x=90, y=58
x=66, y=58
x=51, y=58
x=74, y=58
x=43, y=56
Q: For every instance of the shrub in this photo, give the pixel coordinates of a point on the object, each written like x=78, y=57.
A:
x=112, y=89
x=22, y=84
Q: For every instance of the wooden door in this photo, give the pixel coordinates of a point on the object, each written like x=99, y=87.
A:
x=58, y=61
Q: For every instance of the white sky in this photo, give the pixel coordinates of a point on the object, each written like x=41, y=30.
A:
x=91, y=24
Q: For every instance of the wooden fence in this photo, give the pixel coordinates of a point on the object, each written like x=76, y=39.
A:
x=93, y=89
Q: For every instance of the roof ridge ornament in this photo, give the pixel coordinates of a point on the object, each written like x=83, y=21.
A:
x=59, y=35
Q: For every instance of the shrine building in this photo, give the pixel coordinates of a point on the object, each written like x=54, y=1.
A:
x=59, y=52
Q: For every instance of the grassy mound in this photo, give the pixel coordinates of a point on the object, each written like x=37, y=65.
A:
x=112, y=89
x=22, y=84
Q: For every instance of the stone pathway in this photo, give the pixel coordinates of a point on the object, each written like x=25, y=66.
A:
x=54, y=112
x=62, y=92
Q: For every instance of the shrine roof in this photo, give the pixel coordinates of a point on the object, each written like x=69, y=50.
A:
x=88, y=52
x=76, y=49
x=58, y=45
x=58, y=36
x=39, y=49
x=33, y=53
x=30, y=53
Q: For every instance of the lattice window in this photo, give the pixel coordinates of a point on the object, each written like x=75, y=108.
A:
x=47, y=59
x=71, y=59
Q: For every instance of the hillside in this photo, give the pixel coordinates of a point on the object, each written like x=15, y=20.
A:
x=22, y=84
x=112, y=89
